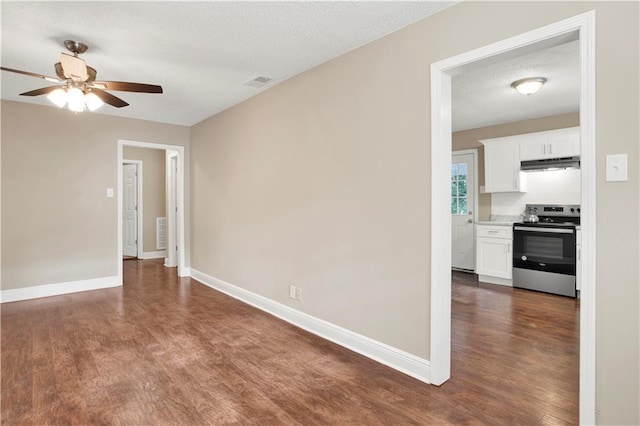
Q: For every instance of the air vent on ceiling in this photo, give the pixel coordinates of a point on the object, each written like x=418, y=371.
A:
x=258, y=81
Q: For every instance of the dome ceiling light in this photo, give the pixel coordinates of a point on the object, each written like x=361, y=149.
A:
x=530, y=85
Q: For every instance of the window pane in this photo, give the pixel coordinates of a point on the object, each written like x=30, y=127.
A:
x=454, y=171
x=462, y=206
x=454, y=205
x=462, y=188
x=462, y=171
x=454, y=188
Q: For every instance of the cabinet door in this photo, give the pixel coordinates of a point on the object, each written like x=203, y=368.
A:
x=564, y=145
x=502, y=166
x=494, y=257
x=533, y=149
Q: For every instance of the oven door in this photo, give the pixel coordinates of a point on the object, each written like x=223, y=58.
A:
x=545, y=249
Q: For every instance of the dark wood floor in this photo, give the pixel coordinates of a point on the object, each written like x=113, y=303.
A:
x=164, y=350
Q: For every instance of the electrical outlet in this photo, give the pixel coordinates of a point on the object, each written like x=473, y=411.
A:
x=297, y=293
x=292, y=291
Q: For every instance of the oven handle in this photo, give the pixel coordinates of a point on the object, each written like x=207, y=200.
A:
x=554, y=230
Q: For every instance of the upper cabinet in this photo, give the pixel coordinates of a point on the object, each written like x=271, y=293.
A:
x=502, y=166
x=552, y=144
x=502, y=156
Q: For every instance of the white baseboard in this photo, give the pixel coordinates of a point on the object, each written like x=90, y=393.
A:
x=57, y=289
x=397, y=359
x=186, y=272
x=153, y=254
x=495, y=280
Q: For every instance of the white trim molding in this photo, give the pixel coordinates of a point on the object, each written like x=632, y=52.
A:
x=47, y=290
x=440, y=329
x=153, y=255
x=397, y=359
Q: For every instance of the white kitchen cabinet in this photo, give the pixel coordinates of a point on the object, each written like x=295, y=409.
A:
x=502, y=166
x=550, y=144
x=494, y=254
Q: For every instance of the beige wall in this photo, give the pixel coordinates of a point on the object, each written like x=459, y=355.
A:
x=468, y=139
x=153, y=190
x=323, y=182
x=57, y=223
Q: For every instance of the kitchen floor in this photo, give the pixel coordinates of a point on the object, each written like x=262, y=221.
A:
x=516, y=347
x=169, y=350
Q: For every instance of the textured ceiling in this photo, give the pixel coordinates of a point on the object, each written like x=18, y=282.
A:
x=200, y=52
x=484, y=96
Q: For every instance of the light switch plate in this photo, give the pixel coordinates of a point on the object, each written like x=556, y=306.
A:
x=617, y=168
x=109, y=192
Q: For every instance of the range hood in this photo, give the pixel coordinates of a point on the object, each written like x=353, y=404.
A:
x=550, y=164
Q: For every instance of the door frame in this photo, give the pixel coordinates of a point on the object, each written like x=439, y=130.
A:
x=441, y=72
x=171, y=191
x=140, y=206
x=183, y=270
x=476, y=192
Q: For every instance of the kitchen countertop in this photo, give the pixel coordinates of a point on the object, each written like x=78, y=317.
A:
x=505, y=223
x=501, y=220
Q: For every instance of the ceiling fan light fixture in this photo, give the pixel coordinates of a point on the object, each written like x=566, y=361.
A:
x=530, y=85
x=92, y=101
x=77, y=86
x=58, y=97
x=75, y=99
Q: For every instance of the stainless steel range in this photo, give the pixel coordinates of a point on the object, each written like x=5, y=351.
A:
x=544, y=252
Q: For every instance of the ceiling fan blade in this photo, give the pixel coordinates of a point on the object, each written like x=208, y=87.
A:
x=39, y=92
x=74, y=67
x=32, y=74
x=108, y=98
x=124, y=86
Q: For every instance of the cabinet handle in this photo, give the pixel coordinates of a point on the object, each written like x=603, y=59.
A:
x=550, y=149
x=544, y=149
x=493, y=232
x=579, y=254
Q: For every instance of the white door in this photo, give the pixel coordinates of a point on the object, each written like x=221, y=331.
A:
x=129, y=210
x=462, y=212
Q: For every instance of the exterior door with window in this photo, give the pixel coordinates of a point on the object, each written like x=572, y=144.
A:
x=462, y=214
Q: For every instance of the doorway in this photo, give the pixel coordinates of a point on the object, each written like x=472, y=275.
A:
x=441, y=73
x=179, y=215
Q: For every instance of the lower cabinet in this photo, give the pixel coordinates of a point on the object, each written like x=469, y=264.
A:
x=494, y=254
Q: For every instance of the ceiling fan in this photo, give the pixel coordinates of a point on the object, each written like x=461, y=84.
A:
x=77, y=86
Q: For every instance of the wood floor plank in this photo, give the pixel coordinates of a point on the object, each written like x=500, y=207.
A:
x=167, y=350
